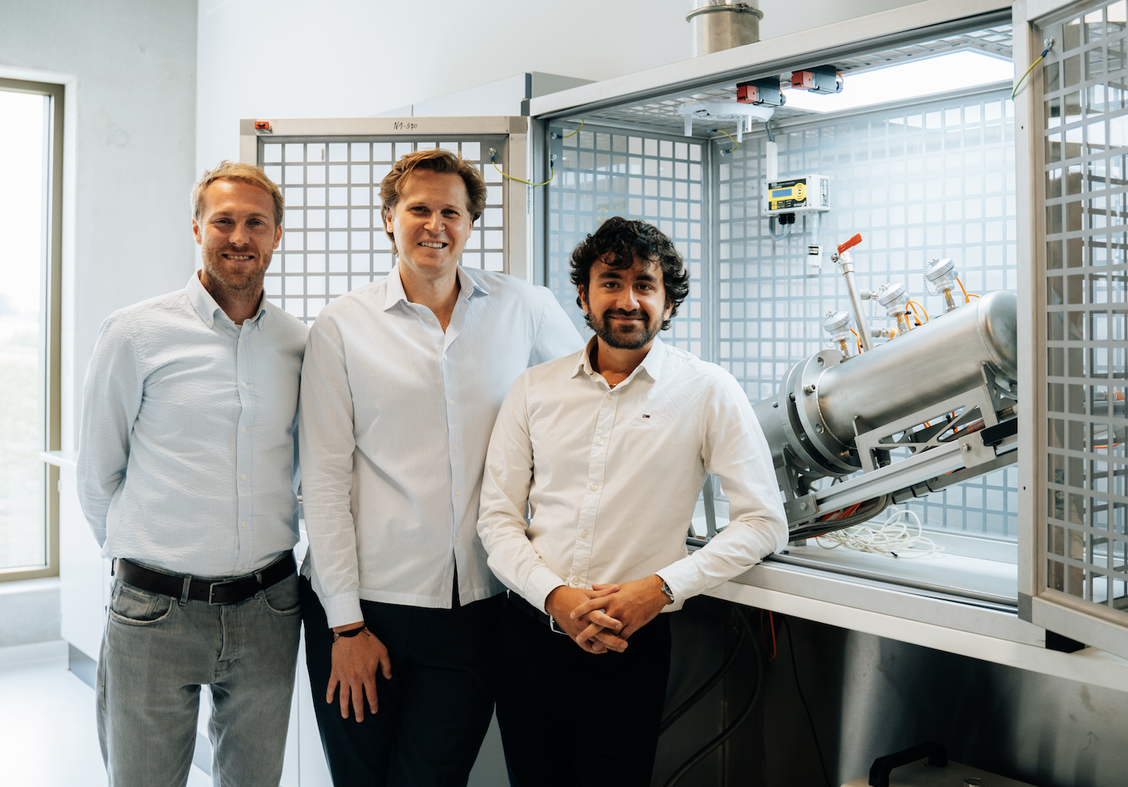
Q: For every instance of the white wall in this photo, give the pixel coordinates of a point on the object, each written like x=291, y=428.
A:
x=355, y=58
x=129, y=67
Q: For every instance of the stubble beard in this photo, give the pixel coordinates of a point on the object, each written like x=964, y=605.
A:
x=213, y=266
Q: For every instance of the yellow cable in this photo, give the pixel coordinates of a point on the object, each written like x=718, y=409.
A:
x=551, y=169
x=1019, y=83
x=577, y=131
x=735, y=144
x=913, y=305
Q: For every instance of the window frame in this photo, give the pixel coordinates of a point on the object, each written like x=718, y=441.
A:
x=51, y=301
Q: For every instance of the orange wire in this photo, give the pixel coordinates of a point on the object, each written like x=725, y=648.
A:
x=967, y=295
x=913, y=305
x=771, y=625
x=859, y=338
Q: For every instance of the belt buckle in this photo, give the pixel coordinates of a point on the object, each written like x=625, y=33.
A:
x=211, y=591
x=555, y=628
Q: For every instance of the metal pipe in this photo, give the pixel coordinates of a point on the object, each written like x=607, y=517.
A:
x=846, y=263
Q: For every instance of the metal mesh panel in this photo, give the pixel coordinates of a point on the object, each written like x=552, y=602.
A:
x=602, y=173
x=1086, y=277
x=334, y=238
x=933, y=180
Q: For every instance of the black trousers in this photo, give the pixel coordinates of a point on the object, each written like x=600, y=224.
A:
x=435, y=710
x=569, y=717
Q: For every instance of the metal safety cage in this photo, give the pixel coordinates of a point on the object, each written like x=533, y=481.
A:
x=330, y=170
x=1073, y=169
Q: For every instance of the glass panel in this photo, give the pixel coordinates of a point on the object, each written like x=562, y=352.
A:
x=23, y=226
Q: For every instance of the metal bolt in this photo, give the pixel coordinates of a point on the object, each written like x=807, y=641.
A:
x=803, y=506
x=1048, y=43
x=966, y=448
x=809, y=389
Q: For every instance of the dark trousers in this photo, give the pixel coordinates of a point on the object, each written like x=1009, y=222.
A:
x=569, y=717
x=435, y=710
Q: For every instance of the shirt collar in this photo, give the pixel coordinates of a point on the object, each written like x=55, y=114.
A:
x=651, y=364
x=205, y=304
x=395, y=292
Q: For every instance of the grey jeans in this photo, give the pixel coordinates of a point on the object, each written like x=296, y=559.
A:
x=157, y=652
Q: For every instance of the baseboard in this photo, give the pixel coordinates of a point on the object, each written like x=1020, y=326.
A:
x=34, y=653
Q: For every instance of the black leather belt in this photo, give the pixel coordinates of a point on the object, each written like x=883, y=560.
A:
x=224, y=591
x=528, y=609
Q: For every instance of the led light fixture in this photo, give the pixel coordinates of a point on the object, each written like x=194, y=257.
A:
x=907, y=80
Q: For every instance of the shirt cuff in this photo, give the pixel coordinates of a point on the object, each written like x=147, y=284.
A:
x=684, y=580
x=342, y=609
x=540, y=585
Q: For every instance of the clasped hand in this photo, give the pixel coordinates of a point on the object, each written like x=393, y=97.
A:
x=605, y=617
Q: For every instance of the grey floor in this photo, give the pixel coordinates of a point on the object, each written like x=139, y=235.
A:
x=48, y=736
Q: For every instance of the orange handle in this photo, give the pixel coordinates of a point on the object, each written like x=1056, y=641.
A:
x=854, y=241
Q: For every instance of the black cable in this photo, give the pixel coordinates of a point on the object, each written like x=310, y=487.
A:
x=810, y=719
x=727, y=732
x=706, y=687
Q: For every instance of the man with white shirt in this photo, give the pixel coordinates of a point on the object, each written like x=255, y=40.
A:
x=401, y=384
x=608, y=448
x=186, y=474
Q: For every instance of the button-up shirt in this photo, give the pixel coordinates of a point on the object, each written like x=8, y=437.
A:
x=186, y=458
x=612, y=475
x=395, y=418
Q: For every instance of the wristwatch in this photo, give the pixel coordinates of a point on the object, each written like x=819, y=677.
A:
x=666, y=589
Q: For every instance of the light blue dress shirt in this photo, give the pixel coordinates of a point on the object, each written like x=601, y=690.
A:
x=187, y=460
x=395, y=419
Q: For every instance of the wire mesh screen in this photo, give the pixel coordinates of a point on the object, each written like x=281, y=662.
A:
x=929, y=181
x=609, y=172
x=334, y=238
x=1086, y=276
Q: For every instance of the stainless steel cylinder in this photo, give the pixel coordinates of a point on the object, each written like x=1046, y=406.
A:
x=722, y=24
x=938, y=360
x=811, y=422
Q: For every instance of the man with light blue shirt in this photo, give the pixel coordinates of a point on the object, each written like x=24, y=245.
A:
x=187, y=475
x=401, y=384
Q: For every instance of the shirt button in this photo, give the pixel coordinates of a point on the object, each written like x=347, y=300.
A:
x=455, y=447
x=244, y=429
x=457, y=492
x=209, y=323
x=575, y=582
x=456, y=539
x=452, y=401
x=610, y=395
x=242, y=524
x=599, y=441
x=240, y=341
x=243, y=384
x=244, y=476
x=583, y=534
x=594, y=487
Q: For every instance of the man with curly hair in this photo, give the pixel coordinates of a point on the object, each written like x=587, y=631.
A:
x=608, y=449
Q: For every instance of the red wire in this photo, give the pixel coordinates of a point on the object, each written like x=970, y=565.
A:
x=771, y=624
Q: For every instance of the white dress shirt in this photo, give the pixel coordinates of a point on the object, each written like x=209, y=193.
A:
x=612, y=477
x=396, y=415
x=186, y=457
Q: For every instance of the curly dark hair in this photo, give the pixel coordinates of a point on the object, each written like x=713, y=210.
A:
x=626, y=240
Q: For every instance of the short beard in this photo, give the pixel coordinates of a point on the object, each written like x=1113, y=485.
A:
x=635, y=340
x=213, y=267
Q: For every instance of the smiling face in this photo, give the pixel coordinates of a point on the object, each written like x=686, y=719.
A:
x=431, y=224
x=625, y=306
x=237, y=233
